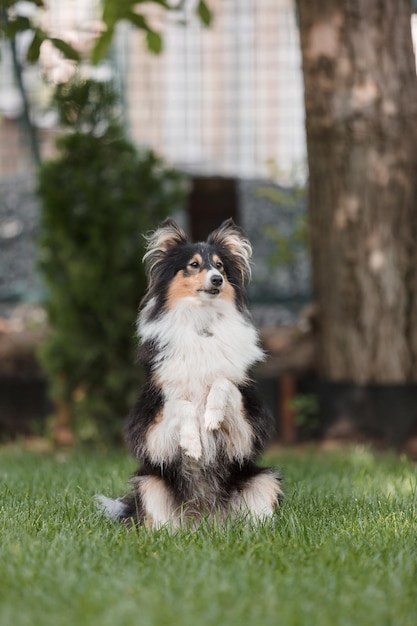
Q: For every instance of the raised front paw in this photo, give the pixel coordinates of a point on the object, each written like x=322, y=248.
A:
x=217, y=401
x=213, y=418
x=191, y=444
x=190, y=440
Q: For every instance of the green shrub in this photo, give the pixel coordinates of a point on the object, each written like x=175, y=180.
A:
x=99, y=196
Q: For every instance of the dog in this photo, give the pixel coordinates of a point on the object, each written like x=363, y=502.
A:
x=199, y=425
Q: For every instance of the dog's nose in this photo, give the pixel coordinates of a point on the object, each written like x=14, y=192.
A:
x=216, y=280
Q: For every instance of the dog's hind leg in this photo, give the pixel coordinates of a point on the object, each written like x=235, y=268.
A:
x=157, y=505
x=259, y=497
x=151, y=504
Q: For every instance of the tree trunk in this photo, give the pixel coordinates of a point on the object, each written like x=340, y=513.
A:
x=361, y=118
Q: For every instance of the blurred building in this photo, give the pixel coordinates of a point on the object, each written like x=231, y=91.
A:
x=223, y=102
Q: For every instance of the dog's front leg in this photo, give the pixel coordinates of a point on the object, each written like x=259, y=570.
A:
x=186, y=414
x=220, y=395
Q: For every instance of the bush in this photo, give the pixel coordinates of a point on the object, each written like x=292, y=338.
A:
x=99, y=195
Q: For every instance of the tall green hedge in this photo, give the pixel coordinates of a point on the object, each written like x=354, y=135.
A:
x=99, y=195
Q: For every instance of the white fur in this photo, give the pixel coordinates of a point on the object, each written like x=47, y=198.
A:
x=157, y=501
x=240, y=431
x=208, y=336
x=189, y=431
x=163, y=437
x=178, y=427
x=206, y=348
x=259, y=497
x=112, y=508
x=229, y=236
x=217, y=401
x=207, y=282
x=158, y=242
x=224, y=407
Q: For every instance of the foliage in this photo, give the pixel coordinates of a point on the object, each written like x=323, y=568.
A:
x=24, y=17
x=87, y=106
x=13, y=21
x=341, y=551
x=287, y=246
x=306, y=409
x=115, y=11
x=99, y=195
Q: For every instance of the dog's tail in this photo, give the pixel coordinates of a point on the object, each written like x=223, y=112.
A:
x=116, y=509
x=126, y=509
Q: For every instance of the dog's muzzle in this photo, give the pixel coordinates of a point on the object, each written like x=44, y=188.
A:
x=214, y=283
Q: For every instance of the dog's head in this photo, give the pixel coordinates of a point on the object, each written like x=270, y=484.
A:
x=215, y=269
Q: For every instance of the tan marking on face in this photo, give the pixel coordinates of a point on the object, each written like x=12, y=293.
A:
x=184, y=286
x=228, y=293
x=197, y=257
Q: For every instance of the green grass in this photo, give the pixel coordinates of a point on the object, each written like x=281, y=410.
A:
x=342, y=550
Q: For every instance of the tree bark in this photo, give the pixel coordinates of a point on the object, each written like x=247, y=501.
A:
x=361, y=118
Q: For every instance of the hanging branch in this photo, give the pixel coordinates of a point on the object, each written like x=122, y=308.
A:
x=18, y=73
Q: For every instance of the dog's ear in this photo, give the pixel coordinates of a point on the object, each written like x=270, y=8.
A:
x=229, y=236
x=168, y=235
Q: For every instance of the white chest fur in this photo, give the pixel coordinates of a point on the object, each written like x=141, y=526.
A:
x=204, y=352
x=198, y=343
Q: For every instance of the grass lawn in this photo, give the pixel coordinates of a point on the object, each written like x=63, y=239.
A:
x=342, y=550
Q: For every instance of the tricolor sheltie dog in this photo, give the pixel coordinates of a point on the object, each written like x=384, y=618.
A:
x=198, y=425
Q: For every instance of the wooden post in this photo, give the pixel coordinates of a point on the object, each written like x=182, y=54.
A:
x=287, y=390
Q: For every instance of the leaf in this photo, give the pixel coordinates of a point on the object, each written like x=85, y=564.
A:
x=18, y=25
x=204, y=13
x=67, y=50
x=12, y=3
x=102, y=45
x=33, y=52
x=137, y=20
x=165, y=5
x=154, y=41
x=116, y=10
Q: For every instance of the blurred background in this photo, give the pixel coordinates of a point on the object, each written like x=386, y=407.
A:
x=109, y=122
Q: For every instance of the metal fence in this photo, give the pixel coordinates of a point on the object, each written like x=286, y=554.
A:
x=224, y=101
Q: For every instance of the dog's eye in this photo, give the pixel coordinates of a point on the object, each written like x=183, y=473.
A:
x=219, y=265
x=194, y=264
